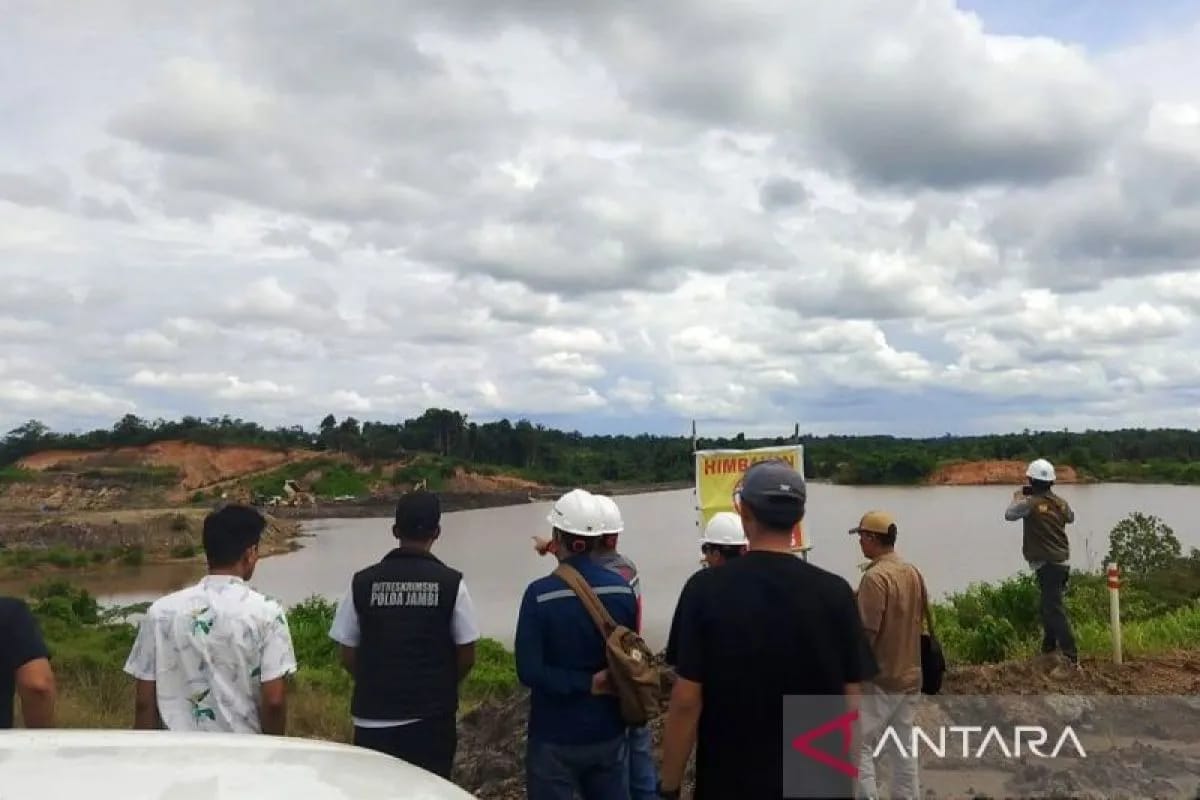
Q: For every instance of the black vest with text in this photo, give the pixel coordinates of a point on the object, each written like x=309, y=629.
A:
x=406, y=665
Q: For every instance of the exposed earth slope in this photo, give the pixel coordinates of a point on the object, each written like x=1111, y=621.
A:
x=983, y=473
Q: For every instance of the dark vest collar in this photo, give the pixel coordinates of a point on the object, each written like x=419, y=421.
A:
x=400, y=552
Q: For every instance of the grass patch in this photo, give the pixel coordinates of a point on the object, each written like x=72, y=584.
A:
x=15, y=474
x=434, y=470
x=61, y=557
x=134, y=476
x=334, y=477
x=89, y=648
x=1160, y=611
x=340, y=479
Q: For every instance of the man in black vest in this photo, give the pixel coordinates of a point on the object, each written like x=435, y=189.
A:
x=407, y=630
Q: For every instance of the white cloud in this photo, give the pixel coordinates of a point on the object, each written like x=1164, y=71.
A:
x=516, y=208
x=637, y=395
x=23, y=398
x=568, y=365
x=150, y=345
x=343, y=400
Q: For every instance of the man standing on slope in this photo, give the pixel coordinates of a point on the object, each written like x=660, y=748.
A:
x=891, y=600
x=763, y=626
x=1044, y=516
x=24, y=667
x=214, y=656
x=576, y=739
x=407, y=632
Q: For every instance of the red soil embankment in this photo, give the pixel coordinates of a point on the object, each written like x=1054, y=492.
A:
x=199, y=465
x=988, y=473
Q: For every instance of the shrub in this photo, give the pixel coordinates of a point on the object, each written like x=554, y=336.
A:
x=132, y=555
x=61, y=600
x=1141, y=544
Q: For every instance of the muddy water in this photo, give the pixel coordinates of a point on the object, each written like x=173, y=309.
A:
x=957, y=535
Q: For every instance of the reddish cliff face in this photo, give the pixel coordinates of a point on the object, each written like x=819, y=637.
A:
x=984, y=473
x=199, y=465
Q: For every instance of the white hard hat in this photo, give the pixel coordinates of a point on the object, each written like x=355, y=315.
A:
x=612, y=514
x=1040, y=470
x=579, y=512
x=725, y=527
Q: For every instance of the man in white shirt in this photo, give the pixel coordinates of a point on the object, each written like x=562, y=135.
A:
x=407, y=629
x=214, y=656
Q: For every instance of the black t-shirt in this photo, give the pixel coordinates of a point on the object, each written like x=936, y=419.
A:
x=20, y=643
x=756, y=629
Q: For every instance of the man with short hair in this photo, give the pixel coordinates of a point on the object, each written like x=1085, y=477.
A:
x=407, y=630
x=214, y=656
x=576, y=738
x=24, y=667
x=891, y=601
x=763, y=626
x=1044, y=517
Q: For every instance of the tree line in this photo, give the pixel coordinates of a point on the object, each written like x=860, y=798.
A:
x=565, y=457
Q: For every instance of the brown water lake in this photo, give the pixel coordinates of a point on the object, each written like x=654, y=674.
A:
x=956, y=535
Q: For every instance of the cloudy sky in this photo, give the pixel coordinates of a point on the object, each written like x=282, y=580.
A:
x=611, y=215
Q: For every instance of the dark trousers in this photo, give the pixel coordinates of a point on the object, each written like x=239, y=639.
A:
x=428, y=743
x=564, y=772
x=1057, y=635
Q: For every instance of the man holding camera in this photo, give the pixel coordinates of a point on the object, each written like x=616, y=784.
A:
x=1045, y=517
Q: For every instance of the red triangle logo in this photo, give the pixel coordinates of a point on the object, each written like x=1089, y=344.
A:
x=844, y=723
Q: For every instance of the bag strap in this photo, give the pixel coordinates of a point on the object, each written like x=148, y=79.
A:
x=591, y=602
x=925, y=601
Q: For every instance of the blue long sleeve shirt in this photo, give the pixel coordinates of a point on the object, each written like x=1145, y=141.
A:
x=559, y=649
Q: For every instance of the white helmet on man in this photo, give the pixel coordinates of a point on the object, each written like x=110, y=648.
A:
x=1040, y=470
x=725, y=528
x=612, y=515
x=579, y=512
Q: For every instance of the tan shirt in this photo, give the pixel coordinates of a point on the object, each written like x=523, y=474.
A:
x=891, y=604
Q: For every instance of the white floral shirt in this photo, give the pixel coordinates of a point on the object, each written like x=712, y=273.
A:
x=208, y=648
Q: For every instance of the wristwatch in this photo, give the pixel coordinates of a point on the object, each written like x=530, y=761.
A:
x=669, y=794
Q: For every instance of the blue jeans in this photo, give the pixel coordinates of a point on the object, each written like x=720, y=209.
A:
x=643, y=776
x=595, y=771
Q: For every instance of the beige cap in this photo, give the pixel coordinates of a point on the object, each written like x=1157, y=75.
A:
x=878, y=522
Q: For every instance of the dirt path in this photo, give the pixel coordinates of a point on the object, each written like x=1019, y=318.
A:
x=1156, y=761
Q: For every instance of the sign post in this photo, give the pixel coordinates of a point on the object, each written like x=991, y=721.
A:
x=718, y=473
x=1114, y=609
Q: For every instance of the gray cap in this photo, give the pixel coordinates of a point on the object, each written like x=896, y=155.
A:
x=769, y=482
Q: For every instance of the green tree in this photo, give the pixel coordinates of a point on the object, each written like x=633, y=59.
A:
x=1141, y=544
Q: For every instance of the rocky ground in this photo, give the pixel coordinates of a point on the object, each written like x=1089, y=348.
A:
x=1138, y=722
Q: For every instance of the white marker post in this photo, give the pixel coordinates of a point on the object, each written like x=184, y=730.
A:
x=1114, y=609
